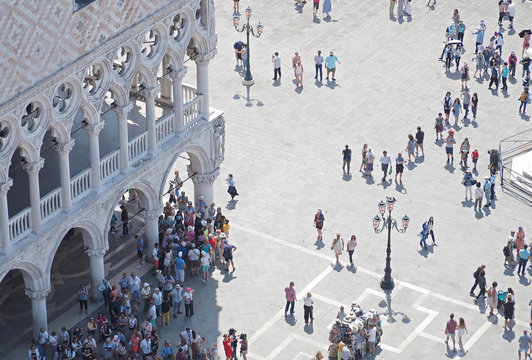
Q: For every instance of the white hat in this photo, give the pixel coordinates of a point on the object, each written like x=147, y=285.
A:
x=146, y=284
x=223, y=235
x=203, y=253
x=202, y=198
x=179, y=254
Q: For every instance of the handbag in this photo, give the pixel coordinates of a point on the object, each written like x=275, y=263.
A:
x=390, y=171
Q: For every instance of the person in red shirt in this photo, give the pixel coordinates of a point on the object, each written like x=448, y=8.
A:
x=474, y=157
x=227, y=347
x=290, y=294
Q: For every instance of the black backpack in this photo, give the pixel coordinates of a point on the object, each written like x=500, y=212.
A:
x=506, y=251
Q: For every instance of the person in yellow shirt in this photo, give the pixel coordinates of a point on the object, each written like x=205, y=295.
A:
x=225, y=227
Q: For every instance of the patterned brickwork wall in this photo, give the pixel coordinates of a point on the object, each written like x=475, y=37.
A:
x=42, y=36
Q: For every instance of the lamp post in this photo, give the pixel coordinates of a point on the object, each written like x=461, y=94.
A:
x=388, y=223
x=248, y=78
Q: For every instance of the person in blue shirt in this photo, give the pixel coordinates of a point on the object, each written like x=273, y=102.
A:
x=505, y=73
x=494, y=78
x=167, y=351
x=423, y=235
x=524, y=254
x=480, y=35
x=180, y=267
x=140, y=250
x=330, y=64
x=346, y=155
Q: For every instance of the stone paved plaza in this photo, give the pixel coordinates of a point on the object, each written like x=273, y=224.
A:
x=285, y=154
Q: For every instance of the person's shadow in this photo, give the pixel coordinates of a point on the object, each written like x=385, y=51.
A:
x=231, y=204
x=319, y=244
x=290, y=319
x=309, y=329
x=346, y=177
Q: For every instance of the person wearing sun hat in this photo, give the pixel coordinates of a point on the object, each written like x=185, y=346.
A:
x=189, y=302
x=318, y=223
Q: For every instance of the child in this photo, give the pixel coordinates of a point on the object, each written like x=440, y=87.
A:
x=114, y=220
x=474, y=158
x=225, y=227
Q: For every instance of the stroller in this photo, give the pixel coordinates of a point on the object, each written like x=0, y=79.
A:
x=501, y=297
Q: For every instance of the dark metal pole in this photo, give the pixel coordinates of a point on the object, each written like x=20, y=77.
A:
x=387, y=281
x=248, y=76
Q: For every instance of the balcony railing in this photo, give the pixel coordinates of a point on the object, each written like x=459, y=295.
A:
x=164, y=127
x=109, y=165
x=19, y=224
x=50, y=205
x=80, y=184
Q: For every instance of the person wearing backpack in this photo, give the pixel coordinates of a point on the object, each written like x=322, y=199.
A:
x=523, y=99
x=508, y=253
x=476, y=276
x=227, y=252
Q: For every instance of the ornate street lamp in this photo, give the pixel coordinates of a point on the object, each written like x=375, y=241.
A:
x=388, y=223
x=248, y=78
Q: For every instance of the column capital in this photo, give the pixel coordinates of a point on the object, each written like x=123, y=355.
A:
x=34, y=167
x=5, y=186
x=65, y=147
x=94, y=129
x=178, y=75
x=206, y=178
x=96, y=252
x=37, y=294
x=150, y=92
x=153, y=214
x=123, y=110
x=205, y=58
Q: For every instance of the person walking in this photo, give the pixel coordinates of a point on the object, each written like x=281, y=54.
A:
x=466, y=100
x=479, y=195
x=508, y=310
x=474, y=105
x=295, y=59
x=230, y=181
x=370, y=157
x=476, y=275
x=364, y=152
x=420, y=136
x=523, y=98
x=326, y=8
x=479, y=64
x=337, y=246
x=318, y=224
x=410, y=146
x=524, y=344
x=299, y=74
x=480, y=36
x=450, y=329
x=493, y=298
x=318, y=61
x=524, y=255
x=467, y=181
x=385, y=163
x=457, y=108
x=447, y=102
x=504, y=76
x=423, y=234
x=83, y=295
x=315, y=7
x=462, y=330
x=330, y=61
x=511, y=13
x=308, y=308
x=392, y=6
x=458, y=52
x=399, y=167
x=449, y=142
x=464, y=153
x=481, y=285
x=290, y=295
x=438, y=126
x=140, y=250
x=276, y=60
x=351, y=246
x=346, y=156
x=124, y=217
x=430, y=229
x=512, y=62
x=494, y=79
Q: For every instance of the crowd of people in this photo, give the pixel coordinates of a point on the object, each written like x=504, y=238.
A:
x=192, y=240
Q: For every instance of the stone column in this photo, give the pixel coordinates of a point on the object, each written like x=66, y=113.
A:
x=38, y=310
x=5, y=241
x=96, y=257
x=149, y=96
x=202, y=81
x=121, y=113
x=177, y=87
x=64, y=173
x=166, y=84
x=94, y=147
x=203, y=186
x=151, y=233
x=35, y=193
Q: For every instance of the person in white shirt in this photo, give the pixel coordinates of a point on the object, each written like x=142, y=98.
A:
x=351, y=245
x=318, y=60
x=372, y=338
x=134, y=284
x=341, y=314
x=157, y=298
x=276, y=59
x=193, y=257
x=152, y=313
x=511, y=13
x=308, y=306
x=186, y=335
x=177, y=297
x=145, y=346
x=43, y=341
x=479, y=194
x=385, y=163
x=346, y=353
x=205, y=261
